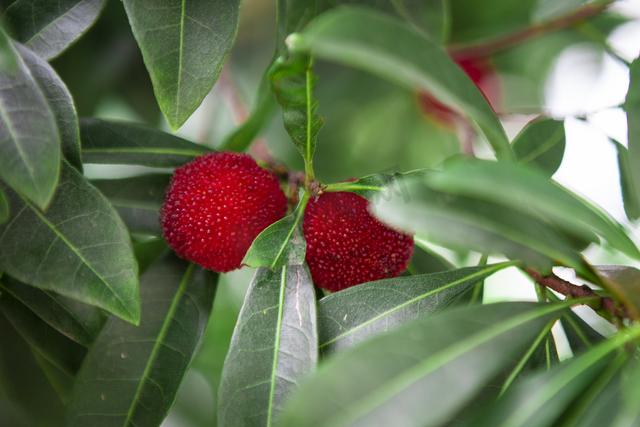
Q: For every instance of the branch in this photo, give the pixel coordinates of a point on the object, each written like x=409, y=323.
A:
x=575, y=291
x=488, y=48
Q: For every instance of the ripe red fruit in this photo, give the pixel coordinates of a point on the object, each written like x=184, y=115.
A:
x=481, y=72
x=216, y=206
x=346, y=245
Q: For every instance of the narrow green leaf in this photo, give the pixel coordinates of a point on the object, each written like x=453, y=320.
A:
x=126, y=143
x=79, y=248
x=274, y=344
x=46, y=342
x=137, y=200
x=360, y=312
x=293, y=80
x=4, y=207
x=385, y=46
x=580, y=334
x=184, y=45
x=540, y=401
x=78, y=322
x=632, y=108
x=630, y=194
x=29, y=139
x=426, y=261
x=367, y=186
x=401, y=373
x=47, y=27
x=280, y=243
x=131, y=374
x=60, y=102
x=529, y=191
x=541, y=144
x=624, y=283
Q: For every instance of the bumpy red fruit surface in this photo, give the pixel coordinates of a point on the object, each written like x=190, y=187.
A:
x=216, y=205
x=346, y=245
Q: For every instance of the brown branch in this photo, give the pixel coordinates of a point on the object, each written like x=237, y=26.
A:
x=489, y=47
x=575, y=291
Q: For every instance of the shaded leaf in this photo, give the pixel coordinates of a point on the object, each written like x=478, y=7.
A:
x=47, y=27
x=630, y=195
x=426, y=261
x=632, y=108
x=78, y=322
x=4, y=207
x=131, y=374
x=529, y=191
x=463, y=348
x=385, y=46
x=280, y=243
x=79, y=248
x=359, y=312
x=29, y=140
x=624, y=283
x=184, y=45
x=274, y=344
x=137, y=199
x=126, y=143
x=541, y=144
x=430, y=16
x=149, y=250
x=60, y=102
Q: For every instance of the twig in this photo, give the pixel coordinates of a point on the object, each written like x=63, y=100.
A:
x=575, y=291
x=488, y=48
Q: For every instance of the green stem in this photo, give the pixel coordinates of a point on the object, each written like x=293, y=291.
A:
x=309, y=173
x=478, y=289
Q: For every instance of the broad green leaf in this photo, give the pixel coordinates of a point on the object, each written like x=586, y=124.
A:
x=60, y=102
x=4, y=207
x=79, y=248
x=385, y=46
x=44, y=341
x=126, y=143
x=540, y=400
x=273, y=346
x=23, y=384
x=29, y=140
x=429, y=16
x=137, y=199
x=280, y=243
x=632, y=108
x=467, y=223
x=131, y=374
x=541, y=144
x=148, y=250
x=360, y=312
x=427, y=261
x=78, y=322
x=242, y=137
x=624, y=283
x=528, y=191
x=48, y=27
x=630, y=194
x=397, y=378
x=184, y=45
x=293, y=81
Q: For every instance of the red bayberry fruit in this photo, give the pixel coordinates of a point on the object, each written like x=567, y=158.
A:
x=346, y=245
x=216, y=205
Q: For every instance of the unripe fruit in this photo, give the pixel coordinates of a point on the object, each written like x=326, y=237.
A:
x=216, y=206
x=346, y=245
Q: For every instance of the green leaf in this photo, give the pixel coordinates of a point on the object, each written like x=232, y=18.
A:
x=4, y=207
x=401, y=373
x=149, y=250
x=430, y=16
x=79, y=248
x=274, y=344
x=355, y=314
x=367, y=186
x=624, y=283
x=184, y=44
x=126, y=143
x=47, y=27
x=426, y=261
x=528, y=191
x=541, y=143
x=280, y=243
x=387, y=47
x=131, y=374
x=541, y=400
x=78, y=322
x=60, y=351
x=29, y=140
x=467, y=223
x=630, y=194
x=60, y=103
x=137, y=199
x=632, y=108
x=293, y=80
